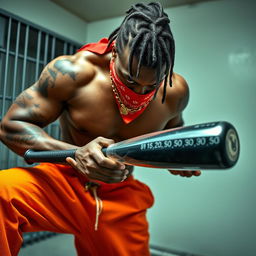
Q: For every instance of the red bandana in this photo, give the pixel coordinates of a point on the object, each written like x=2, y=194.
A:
x=100, y=47
x=130, y=104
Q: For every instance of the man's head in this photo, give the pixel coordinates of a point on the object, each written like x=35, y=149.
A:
x=146, y=33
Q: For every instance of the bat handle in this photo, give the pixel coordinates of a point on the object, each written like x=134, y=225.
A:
x=54, y=156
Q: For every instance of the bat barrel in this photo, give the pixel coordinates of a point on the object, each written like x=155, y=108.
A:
x=212, y=145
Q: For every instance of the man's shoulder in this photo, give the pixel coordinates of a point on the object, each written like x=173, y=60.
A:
x=180, y=85
x=90, y=58
x=80, y=67
x=177, y=96
x=64, y=75
x=179, y=88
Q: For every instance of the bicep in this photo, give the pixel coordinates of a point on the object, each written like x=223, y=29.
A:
x=43, y=102
x=32, y=107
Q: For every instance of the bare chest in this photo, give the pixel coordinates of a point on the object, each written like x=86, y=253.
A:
x=93, y=112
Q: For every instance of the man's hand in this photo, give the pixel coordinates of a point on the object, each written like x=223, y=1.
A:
x=91, y=162
x=187, y=174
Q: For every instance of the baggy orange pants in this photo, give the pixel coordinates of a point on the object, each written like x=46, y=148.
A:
x=52, y=197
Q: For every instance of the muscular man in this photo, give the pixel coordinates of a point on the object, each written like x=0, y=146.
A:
x=108, y=91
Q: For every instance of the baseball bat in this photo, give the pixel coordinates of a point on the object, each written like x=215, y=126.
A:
x=213, y=145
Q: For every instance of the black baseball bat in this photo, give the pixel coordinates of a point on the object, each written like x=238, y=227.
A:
x=204, y=146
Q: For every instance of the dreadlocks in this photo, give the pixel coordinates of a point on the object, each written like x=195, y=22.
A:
x=152, y=40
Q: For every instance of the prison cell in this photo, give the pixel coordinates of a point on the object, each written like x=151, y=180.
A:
x=24, y=50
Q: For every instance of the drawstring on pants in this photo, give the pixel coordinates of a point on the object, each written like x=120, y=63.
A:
x=99, y=204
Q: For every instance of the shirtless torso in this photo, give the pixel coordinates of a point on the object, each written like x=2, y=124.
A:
x=92, y=110
x=77, y=89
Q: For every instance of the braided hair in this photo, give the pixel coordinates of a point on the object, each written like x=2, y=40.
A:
x=152, y=40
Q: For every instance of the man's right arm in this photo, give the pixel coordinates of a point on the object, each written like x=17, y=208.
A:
x=40, y=105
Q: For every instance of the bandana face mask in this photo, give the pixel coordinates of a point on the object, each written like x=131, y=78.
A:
x=130, y=104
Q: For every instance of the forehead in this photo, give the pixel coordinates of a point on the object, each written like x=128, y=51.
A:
x=123, y=62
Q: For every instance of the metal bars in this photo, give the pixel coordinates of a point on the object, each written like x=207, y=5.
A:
x=6, y=64
x=25, y=49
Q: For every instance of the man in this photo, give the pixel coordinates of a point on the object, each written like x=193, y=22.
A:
x=106, y=92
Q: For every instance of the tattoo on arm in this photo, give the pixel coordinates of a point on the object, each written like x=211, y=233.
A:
x=37, y=118
x=21, y=99
x=49, y=76
x=21, y=139
x=43, y=86
x=32, y=112
x=65, y=67
x=28, y=136
x=46, y=80
x=52, y=73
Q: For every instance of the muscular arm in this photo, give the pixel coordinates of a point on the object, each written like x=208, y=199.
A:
x=40, y=105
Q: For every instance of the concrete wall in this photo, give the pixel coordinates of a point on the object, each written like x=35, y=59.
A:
x=49, y=15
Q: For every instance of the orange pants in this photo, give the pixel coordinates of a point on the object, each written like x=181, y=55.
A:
x=53, y=197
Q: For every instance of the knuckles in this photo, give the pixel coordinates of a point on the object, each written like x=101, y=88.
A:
x=93, y=165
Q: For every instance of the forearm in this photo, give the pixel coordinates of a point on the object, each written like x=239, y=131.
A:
x=21, y=136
